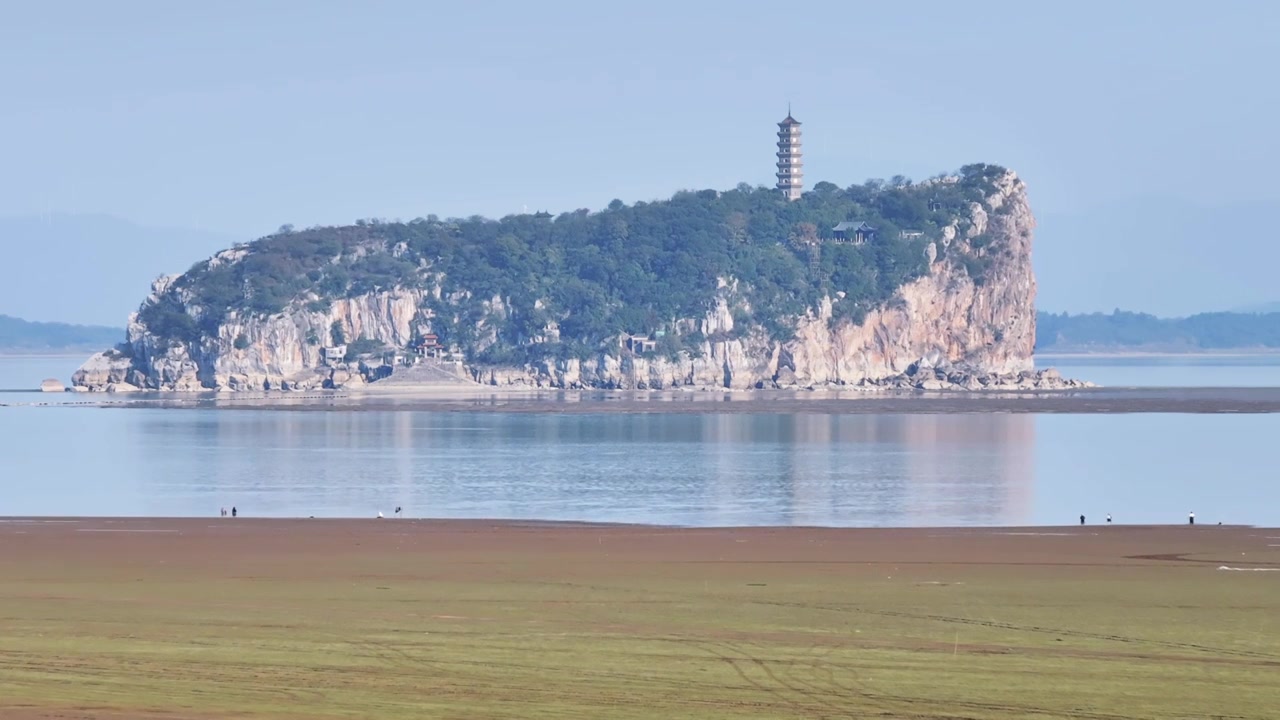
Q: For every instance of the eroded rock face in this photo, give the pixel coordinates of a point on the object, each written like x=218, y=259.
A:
x=946, y=316
x=101, y=370
x=280, y=352
x=981, y=330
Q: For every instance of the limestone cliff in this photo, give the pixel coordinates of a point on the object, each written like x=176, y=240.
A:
x=282, y=352
x=973, y=309
x=947, y=318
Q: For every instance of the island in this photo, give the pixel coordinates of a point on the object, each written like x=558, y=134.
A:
x=924, y=285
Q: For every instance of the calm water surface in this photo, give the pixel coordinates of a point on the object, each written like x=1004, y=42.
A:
x=740, y=469
x=1257, y=370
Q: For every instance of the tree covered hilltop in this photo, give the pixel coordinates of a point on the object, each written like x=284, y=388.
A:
x=930, y=283
x=571, y=283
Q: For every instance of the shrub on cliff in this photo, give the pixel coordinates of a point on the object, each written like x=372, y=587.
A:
x=630, y=268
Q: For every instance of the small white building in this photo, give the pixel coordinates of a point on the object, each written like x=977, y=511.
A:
x=333, y=355
x=639, y=343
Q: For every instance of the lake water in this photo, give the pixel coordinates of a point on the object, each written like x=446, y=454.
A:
x=1253, y=370
x=687, y=469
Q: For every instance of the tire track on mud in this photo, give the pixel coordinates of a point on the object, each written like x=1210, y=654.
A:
x=1038, y=629
x=1109, y=637
x=409, y=665
x=819, y=700
x=1182, y=557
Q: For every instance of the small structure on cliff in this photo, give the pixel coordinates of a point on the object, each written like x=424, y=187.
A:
x=857, y=232
x=334, y=355
x=639, y=343
x=428, y=346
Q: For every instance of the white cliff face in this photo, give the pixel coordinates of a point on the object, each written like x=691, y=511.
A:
x=281, y=351
x=943, y=319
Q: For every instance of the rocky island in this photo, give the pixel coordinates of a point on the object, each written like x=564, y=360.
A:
x=883, y=285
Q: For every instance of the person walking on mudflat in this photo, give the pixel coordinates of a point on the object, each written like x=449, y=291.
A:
x=1191, y=518
x=1081, y=519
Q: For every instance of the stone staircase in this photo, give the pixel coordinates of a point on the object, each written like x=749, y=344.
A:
x=428, y=373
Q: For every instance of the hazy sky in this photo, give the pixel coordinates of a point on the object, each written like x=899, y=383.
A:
x=235, y=117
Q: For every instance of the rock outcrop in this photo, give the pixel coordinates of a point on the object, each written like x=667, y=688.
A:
x=281, y=352
x=968, y=324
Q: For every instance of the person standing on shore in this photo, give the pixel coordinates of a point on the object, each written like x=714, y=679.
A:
x=233, y=511
x=1081, y=519
x=1108, y=518
x=1191, y=518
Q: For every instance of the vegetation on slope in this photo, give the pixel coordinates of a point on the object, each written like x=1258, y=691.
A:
x=630, y=268
x=1130, y=330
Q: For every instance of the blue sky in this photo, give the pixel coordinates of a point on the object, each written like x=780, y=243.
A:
x=235, y=117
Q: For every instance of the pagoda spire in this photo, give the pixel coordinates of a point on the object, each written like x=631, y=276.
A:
x=790, y=159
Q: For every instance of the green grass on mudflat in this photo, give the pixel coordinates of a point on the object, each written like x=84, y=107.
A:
x=564, y=637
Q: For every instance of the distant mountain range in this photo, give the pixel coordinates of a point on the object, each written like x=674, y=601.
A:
x=91, y=268
x=20, y=336
x=1129, y=331
x=1271, y=307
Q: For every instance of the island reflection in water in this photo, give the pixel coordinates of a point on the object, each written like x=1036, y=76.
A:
x=682, y=469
